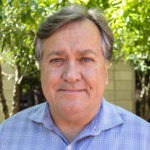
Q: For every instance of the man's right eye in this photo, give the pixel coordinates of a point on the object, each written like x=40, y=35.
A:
x=56, y=60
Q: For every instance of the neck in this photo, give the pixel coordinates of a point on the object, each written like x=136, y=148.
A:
x=71, y=129
x=72, y=124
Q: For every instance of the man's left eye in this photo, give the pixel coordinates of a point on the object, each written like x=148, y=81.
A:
x=86, y=59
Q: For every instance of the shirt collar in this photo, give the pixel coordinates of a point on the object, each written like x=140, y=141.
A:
x=42, y=115
x=106, y=118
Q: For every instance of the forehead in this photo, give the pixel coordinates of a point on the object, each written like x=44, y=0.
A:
x=76, y=35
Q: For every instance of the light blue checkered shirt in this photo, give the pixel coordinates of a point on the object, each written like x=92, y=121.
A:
x=113, y=128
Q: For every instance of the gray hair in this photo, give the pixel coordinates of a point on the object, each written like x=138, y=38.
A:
x=74, y=13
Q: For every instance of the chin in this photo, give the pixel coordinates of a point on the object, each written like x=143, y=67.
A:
x=73, y=109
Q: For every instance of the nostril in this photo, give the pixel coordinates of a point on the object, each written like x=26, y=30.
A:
x=71, y=76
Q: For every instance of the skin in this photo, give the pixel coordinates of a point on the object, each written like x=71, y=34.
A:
x=73, y=75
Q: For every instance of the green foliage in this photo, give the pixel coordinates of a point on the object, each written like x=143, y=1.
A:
x=130, y=22
x=18, y=31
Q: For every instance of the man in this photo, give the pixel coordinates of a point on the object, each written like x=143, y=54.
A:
x=73, y=47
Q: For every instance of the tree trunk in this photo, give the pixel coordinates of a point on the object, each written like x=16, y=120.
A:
x=143, y=84
x=142, y=96
x=16, y=91
x=2, y=97
x=147, y=99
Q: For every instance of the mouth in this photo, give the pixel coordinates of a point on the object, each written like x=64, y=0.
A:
x=71, y=90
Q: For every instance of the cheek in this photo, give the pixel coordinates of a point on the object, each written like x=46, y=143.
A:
x=96, y=77
x=50, y=81
x=50, y=77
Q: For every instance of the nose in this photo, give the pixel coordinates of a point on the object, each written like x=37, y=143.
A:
x=71, y=72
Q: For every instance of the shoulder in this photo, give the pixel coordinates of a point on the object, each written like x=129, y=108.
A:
x=125, y=115
x=134, y=130
x=20, y=118
x=130, y=117
x=133, y=124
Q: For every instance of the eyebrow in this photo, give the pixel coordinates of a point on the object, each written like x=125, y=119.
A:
x=81, y=52
x=87, y=51
x=56, y=52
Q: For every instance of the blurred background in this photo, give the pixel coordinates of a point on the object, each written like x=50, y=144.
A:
x=129, y=71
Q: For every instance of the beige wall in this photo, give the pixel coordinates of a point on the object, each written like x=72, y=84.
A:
x=121, y=87
x=119, y=91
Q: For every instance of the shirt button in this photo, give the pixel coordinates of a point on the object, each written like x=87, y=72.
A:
x=69, y=147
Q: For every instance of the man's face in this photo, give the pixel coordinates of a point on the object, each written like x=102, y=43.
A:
x=73, y=70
